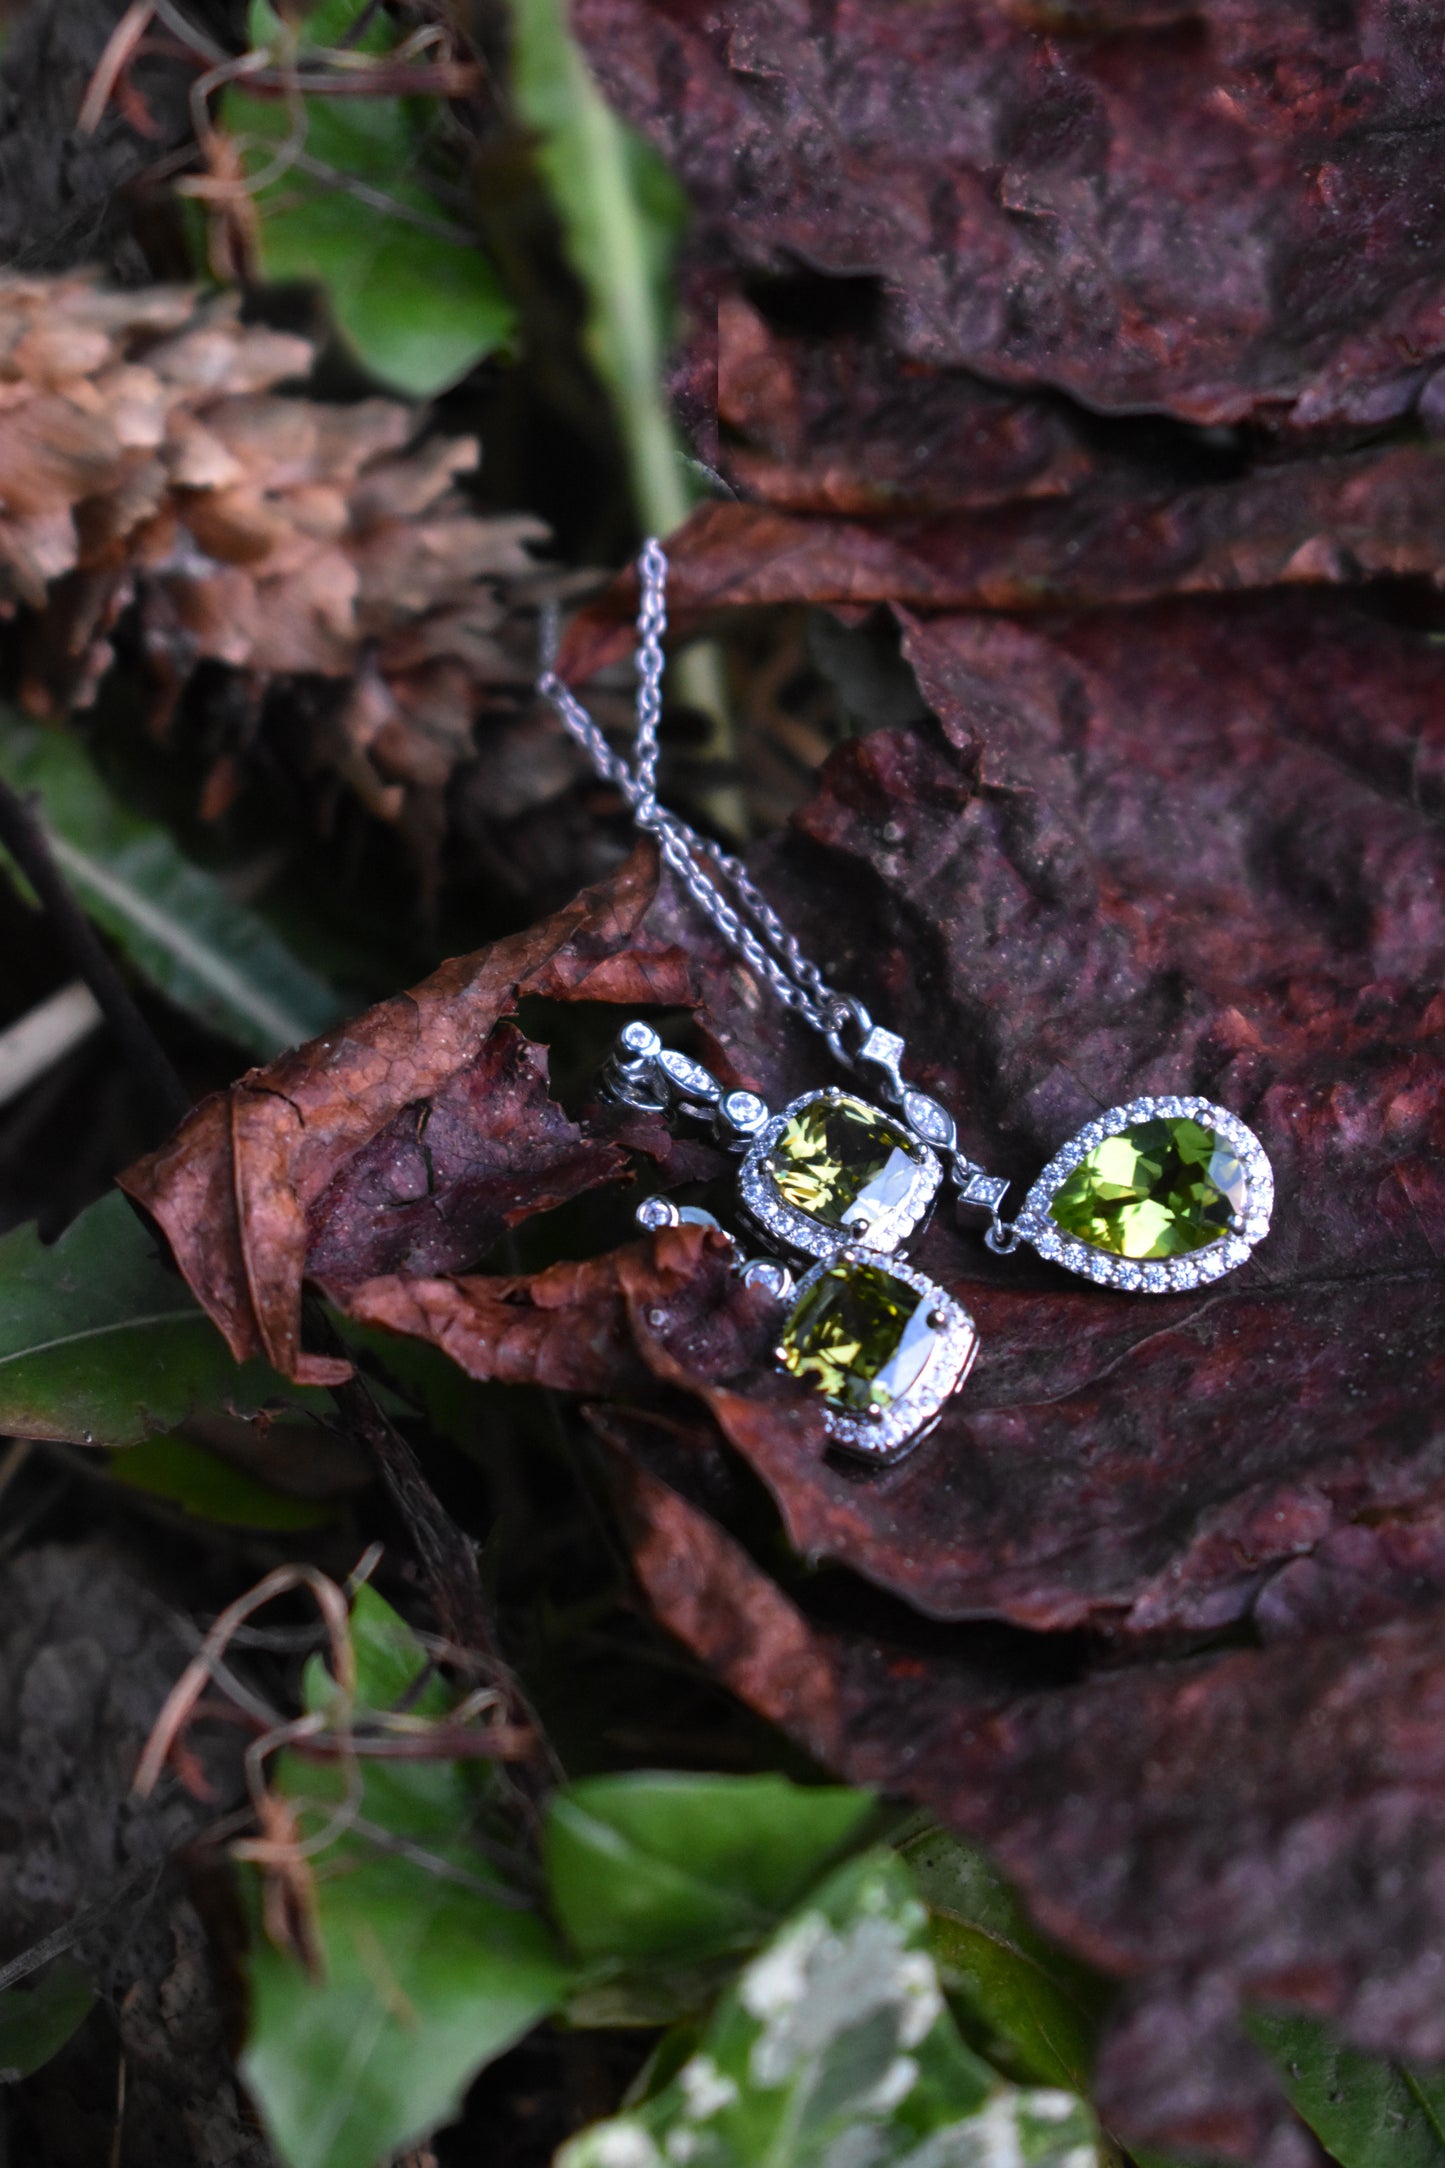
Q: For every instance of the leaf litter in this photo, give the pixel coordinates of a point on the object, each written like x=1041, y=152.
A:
x=1155, y=1613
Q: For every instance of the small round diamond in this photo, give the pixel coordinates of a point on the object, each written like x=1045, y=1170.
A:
x=655, y=1212
x=743, y=1112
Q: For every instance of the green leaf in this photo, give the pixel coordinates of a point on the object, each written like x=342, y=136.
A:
x=176, y=923
x=429, y=1966
x=655, y=1868
x=836, y=2044
x=622, y=214
x=351, y=206
x=1367, y=2112
x=36, y=2020
x=202, y=1483
x=390, y=1663
x=997, y=1964
x=101, y=1345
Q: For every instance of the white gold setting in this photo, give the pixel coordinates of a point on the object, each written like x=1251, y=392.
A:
x=1156, y=1276
x=887, y=1434
x=799, y=1230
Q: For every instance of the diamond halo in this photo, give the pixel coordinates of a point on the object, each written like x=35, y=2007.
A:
x=799, y=1230
x=1154, y=1276
x=887, y=1434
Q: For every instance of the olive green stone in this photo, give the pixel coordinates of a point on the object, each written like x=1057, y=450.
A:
x=841, y=1161
x=860, y=1336
x=1159, y=1188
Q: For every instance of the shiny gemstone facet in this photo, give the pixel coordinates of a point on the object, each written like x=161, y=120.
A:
x=842, y=1161
x=860, y=1336
x=1158, y=1188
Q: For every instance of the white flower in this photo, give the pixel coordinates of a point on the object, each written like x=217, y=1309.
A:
x=622, y=2144
x=706, y=2090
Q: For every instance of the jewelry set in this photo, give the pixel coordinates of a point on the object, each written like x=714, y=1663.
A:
x=1153, y=1197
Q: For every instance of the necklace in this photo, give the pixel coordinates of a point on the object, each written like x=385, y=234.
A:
x=1156, y=1196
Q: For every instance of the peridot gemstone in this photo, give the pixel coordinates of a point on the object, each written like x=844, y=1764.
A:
x=860, y=1336
x=1159, y=1188
x=841, y=1161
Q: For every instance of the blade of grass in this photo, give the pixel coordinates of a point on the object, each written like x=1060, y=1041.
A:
x=621, y=214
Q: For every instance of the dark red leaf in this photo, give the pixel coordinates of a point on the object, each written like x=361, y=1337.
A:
x=1223, y=211
x=1195, y=848
x=1258, y=1825
x=1122, y=539
x=839, y=425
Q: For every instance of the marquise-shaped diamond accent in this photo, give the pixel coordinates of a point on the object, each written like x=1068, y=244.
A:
x=1153, y=1197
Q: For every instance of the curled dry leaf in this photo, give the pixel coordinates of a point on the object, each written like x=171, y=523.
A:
x=325, y=1162
x=1196, y=848
x=1222, y=212
x=838, y=425
x=672, y=1308
x=151, y=457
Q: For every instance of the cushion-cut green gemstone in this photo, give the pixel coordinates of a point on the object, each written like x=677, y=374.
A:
x=860, y=1336
x=842, y=1161
x=1156, y=1189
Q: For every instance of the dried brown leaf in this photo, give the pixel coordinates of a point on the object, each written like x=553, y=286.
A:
x=672, y=1308
x=324, y=1151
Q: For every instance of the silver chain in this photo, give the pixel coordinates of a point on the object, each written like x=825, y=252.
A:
x=717, y=882
x=720, y=885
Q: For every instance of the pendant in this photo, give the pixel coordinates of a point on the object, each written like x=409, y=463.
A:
x=883, y=1345
x=1154, y=1197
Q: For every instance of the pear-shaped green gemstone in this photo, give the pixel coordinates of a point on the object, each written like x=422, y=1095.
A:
x=1159, y=1188
x=842, y=1161
x=860, y=1336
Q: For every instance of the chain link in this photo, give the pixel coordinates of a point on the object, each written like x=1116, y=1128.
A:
x=717, y=882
